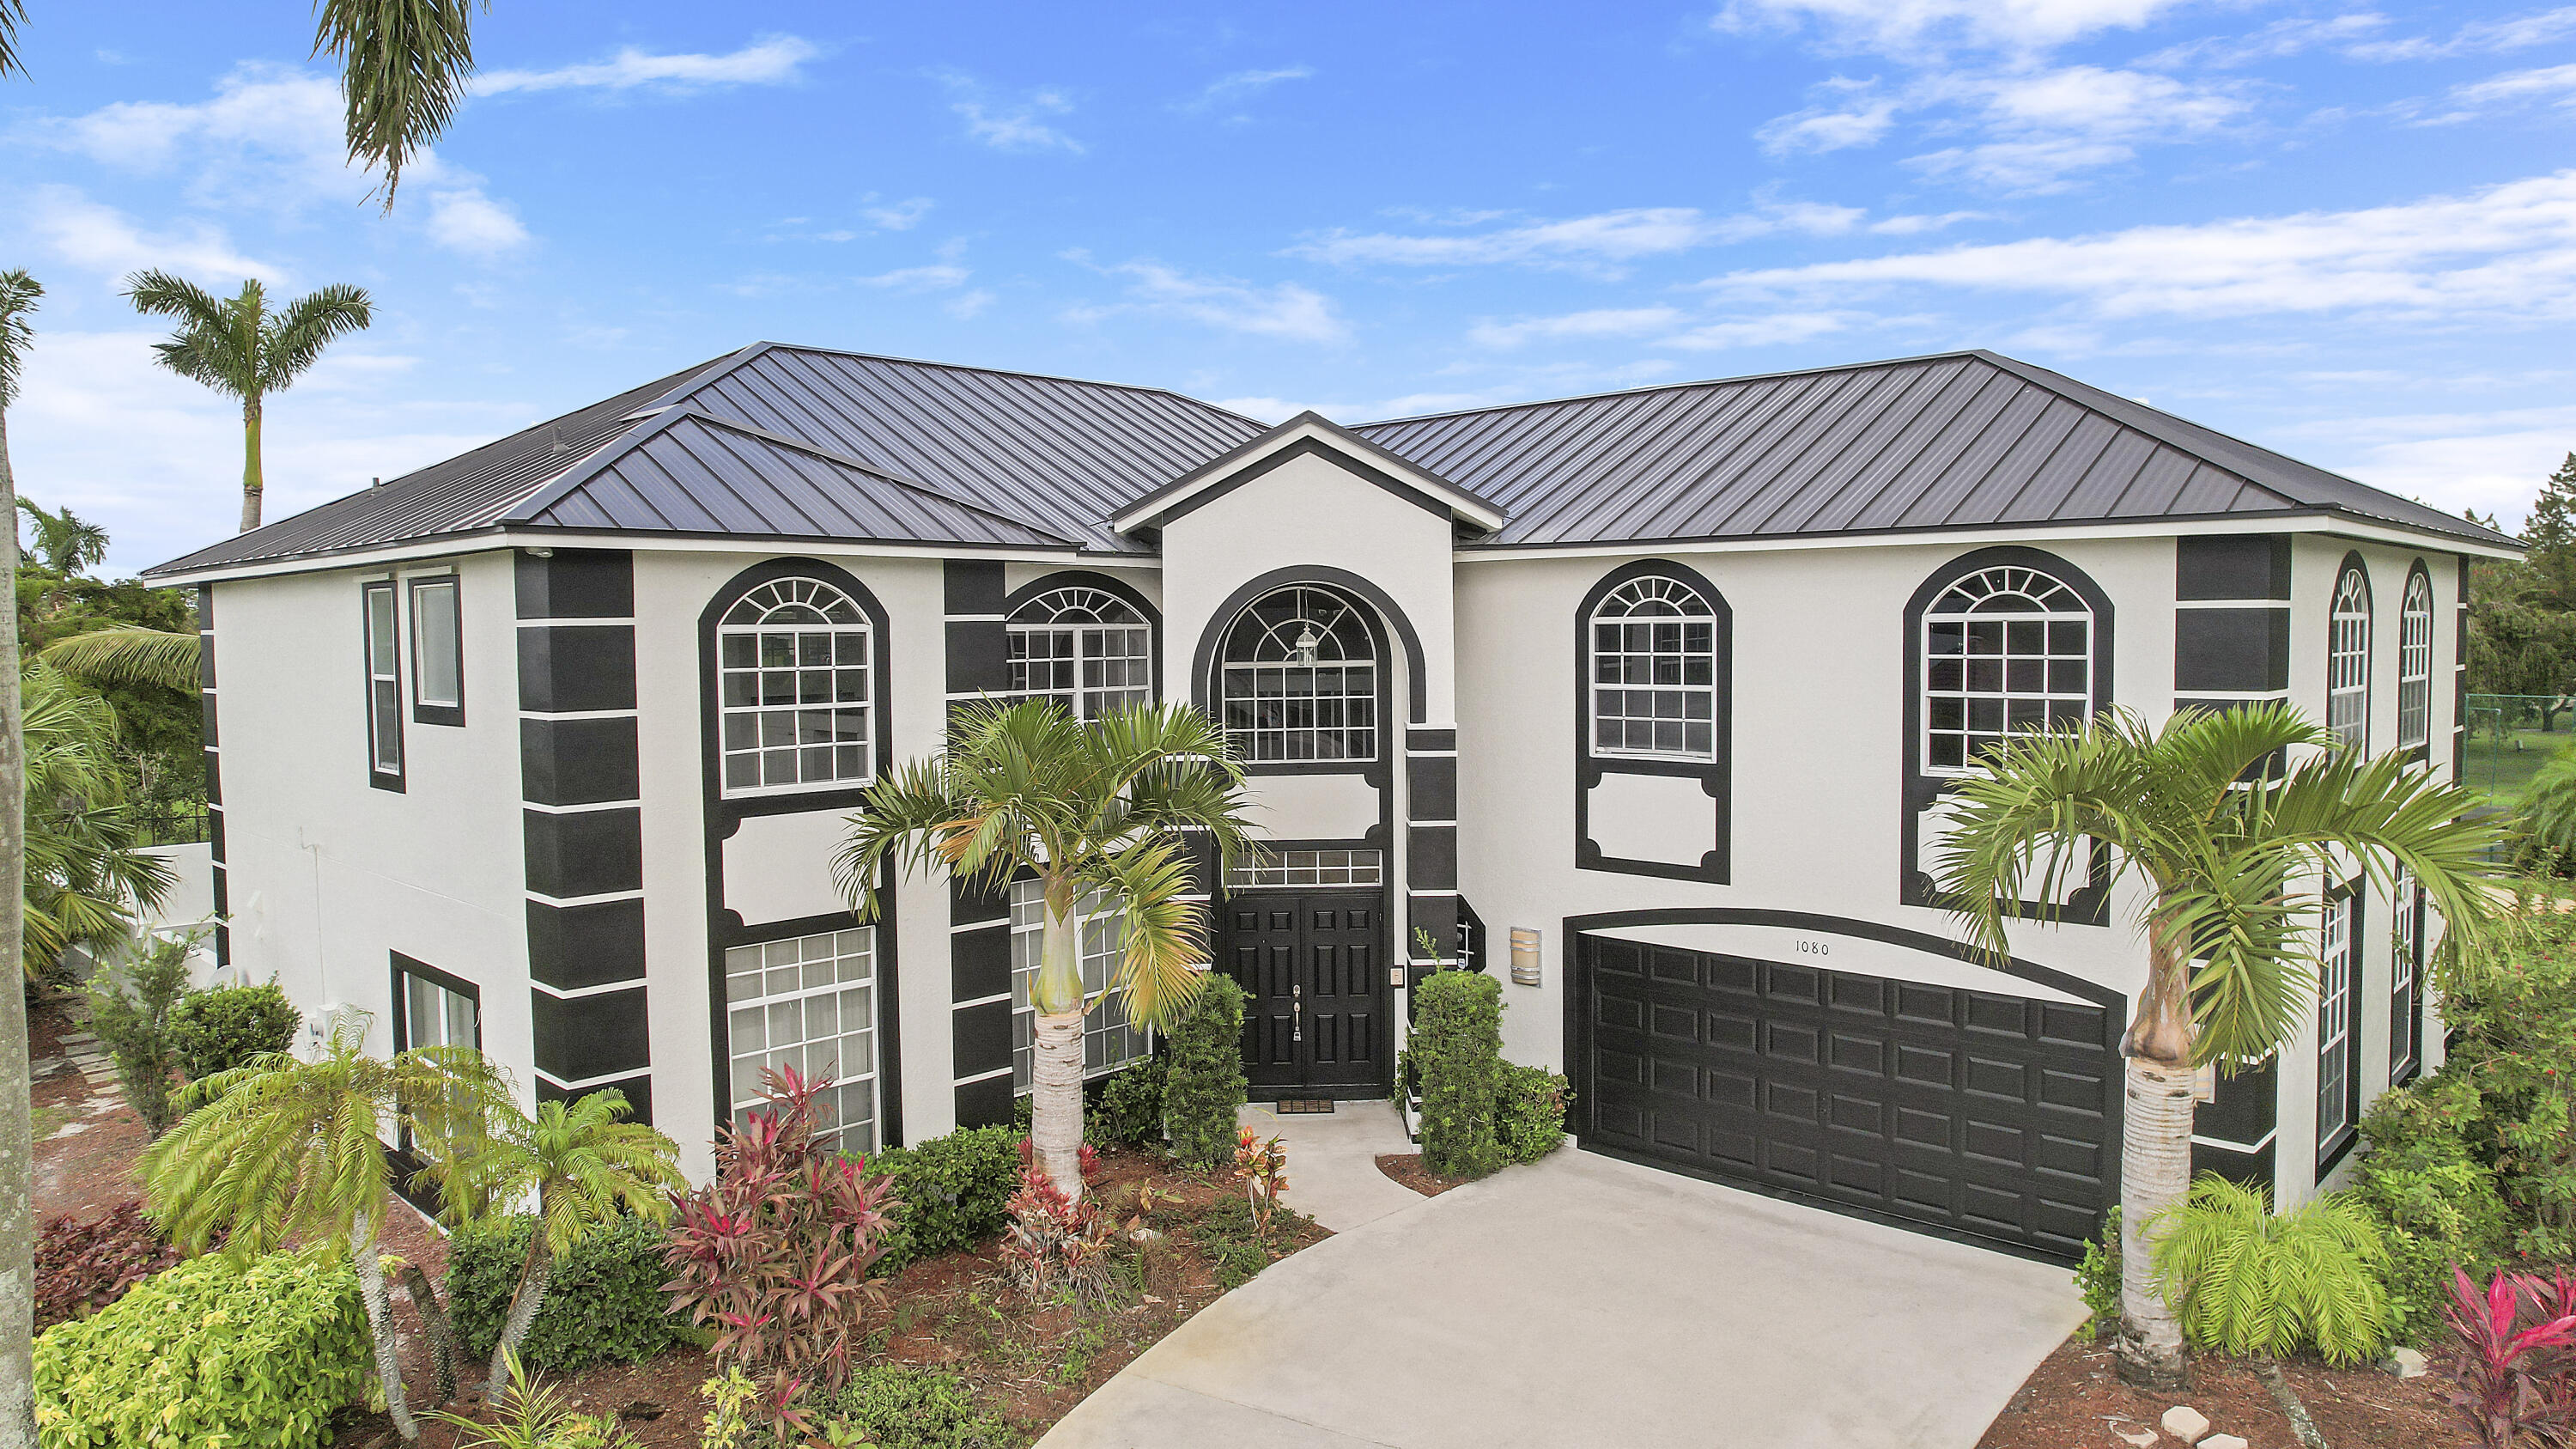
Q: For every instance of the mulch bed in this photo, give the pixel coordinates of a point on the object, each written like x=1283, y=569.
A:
x=2075, y=1400
x=1407, y=1168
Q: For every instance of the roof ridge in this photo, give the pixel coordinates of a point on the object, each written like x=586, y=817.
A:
x=859, y=466
x=1617, y=392
x=756, y=349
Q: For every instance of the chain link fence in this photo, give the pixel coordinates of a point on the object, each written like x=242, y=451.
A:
x=2510, y=736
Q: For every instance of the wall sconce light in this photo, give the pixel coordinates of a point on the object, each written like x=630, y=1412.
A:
x=1306, y=643
x=1525, y=968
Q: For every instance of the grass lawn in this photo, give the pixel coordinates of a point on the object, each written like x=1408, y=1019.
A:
x=2504, y=768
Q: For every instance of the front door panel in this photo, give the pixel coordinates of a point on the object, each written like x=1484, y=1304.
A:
x=1308, y=965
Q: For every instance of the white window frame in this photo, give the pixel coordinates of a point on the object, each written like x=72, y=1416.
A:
x=1110, y=1039
x=1086, y=632
x=750, y=626
x=2027, y=686
x=421, y=991
x=1283, y=653
x=778, y=982
x=433, y=641
x=2335, y=1021
x=1262, y=869
x=2348, y=661
x=381, y=611
x=2415, y=663
x=2406, y=970
x=1649, y=623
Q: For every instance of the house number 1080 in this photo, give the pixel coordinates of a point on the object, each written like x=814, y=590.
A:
x=1815, y=948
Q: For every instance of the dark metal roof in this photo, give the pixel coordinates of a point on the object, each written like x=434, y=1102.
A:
x=801, y=442
x=1962, y=440
x=684, y=472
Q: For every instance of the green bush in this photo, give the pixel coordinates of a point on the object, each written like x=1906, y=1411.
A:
x=1127, y=1110
x=2249, y=1282
x=1203, y=1092
x=2436, y=1202
x=2098, y=1278
x=248, y=1354
x=1529, y=1111
x=953, y=1190
x=604, y=1303
x=1458, y=1046
x=132, y=1013
x=891, y=1406
x=223, y=1028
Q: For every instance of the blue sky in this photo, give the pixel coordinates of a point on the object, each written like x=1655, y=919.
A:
x=2345, y=231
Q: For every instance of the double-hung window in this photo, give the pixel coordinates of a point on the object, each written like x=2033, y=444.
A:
x=808, y=1002
x=1109, y=1039
x=2338, y=1025
x=2405, y=980
x=2348, y=661
x=384, y=685
x=2005, y=648
x=2415, y=663
x=1085, y=648
x=437, y=652
x=796, y=687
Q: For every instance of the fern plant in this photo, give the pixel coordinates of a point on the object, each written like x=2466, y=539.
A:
x=2251, y=1282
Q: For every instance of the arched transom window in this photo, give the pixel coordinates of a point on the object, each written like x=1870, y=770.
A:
x=1085, y=648
x=2004, y=648
x=1299, y=677
x=2348, y=661
x=794, y=689
x=2415, y=664
x=1654, y=671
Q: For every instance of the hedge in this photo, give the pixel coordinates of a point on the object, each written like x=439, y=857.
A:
x=1529, y=1111
x=1203, y=1091
x=1458, y=1048
x=225, y=1027
x=254, y=1354
x=952, y=1190
x=604, y=1302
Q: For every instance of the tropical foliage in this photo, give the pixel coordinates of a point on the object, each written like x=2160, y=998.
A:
x=950, y=1192
x=2509, y=1356
x=130, y=1008
x=1088, y=809
x=83, y=1266
x=283, y=1151
x=86, y=872
x=604, y=1300
x=1458, y=1048
x=224, y=1027
x=1203, y=1089
x=2228, y=820
x=2249, y=1282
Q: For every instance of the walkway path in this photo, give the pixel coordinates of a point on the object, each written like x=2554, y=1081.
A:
x=1585, y=1302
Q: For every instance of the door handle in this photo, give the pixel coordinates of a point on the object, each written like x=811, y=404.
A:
x=1297, y=1012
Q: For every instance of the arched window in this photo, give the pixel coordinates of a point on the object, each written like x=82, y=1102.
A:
x=2005, y=648
x=2415, y=663
x=793, y=661
x=1654, y=671
x=1085, y=648
x=2348, y=660
x=1298, y=678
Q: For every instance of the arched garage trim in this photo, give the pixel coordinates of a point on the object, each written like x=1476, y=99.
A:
x=1578, y=1047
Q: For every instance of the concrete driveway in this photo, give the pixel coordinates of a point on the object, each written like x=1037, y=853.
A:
x=1584, y=1301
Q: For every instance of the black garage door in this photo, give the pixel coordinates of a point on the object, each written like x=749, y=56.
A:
x=1976, y=1112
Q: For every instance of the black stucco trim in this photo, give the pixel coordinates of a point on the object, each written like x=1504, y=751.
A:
x=2090, y=904
x=1418, y=739
x=1431, y=857
x=575, y=583
x=2247, y=1106
x=2232, y=650
x=572, y=947
x=637, y=1090
x=979, y=964
x=1431, y=787
x=580, y=1037
x=982, y=1038
x=986, y=1103
x=2232, y=566
x=592, y=853
x=978, y=650
x=208, y=732
x=575, y=668
x=2248, y=1166
x=1203, y=681
x=578, y=761
x=1715, y=776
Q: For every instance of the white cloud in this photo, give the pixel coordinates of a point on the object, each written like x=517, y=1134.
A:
x=919, y=279
x=2555, y=83
x=770, y=60
x=2507, y=251
x=969, y=305
x=2483, y=37
x=466, y=220
x=1605, y=238
x=1763, y=331
x=1910, y=26
x=1009, y=126
x=2493, y=462
x=2280, y=38
x=1600, y=322
x=86, y=234
x=902, y=215
x=1242, y=85
x=1283, y=310
x=1818, y=129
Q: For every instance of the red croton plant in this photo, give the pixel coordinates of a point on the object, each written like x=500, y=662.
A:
x=2511, y=1356
x=774, y=1254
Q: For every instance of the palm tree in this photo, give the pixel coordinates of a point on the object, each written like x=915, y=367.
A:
x=114, y=654
x=1095, y=809
x=281, y=1150
x=85, y=874
x=66, y=542
x=584, y=1164
x=241, y=349
x=12, y=15
x=2225, y=837
x=18, y=295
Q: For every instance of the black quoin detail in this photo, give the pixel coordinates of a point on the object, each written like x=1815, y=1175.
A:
x=1715, y=776
x=576, y=668
x=581, y=1037
x=576, y=583
x=2232, y=566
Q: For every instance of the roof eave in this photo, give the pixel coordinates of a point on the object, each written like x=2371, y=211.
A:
x=1151, y=510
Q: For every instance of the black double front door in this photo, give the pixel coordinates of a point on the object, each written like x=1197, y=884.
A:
x=1313, y=967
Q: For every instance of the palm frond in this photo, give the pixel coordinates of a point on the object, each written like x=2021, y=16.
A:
x=1164, y=933
x=404, y=64
x=19, y=292
x=294, y=339
x=129, y=654
x=12, y=15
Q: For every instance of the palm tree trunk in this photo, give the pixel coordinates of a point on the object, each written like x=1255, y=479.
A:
x=442, y=1337
x=523, y=1312
x=253, y=482
x=2155, y=1161
x=380, y=1319
x=1055, y=1072
x=17, y=1147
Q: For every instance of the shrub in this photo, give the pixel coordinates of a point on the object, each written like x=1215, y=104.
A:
x=1055, y=1242
x=950, y=1192
x=603, y=1303
x=2508, y=1356
x=223, y=1028
x=2098, y=1278
x=1203, y=1092
x=2249, y=1282
x=1458, y=1044
x=132, y=1018
x=1529, y=1111
x=890, y=1406
x=81, y=1267
x=2438, y=1204
x=1129, y=1109
x=531, y=1415
x=775, y=1252
x=249, y=1354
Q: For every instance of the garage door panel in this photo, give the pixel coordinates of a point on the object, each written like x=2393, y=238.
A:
x=1960, y=1109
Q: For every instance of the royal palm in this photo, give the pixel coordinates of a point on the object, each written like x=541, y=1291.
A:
x=1093, y=810
x=238, y=347
x=282, y=1150
x=2229, y=846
